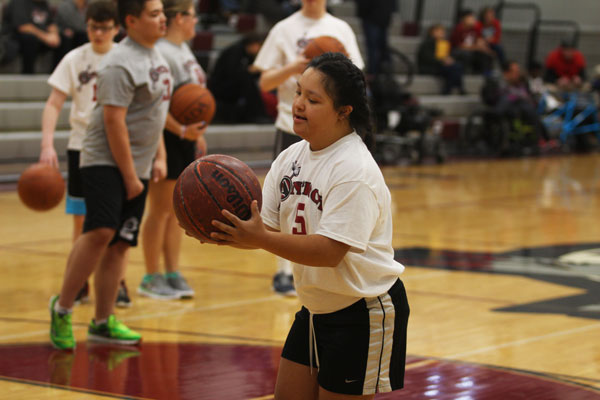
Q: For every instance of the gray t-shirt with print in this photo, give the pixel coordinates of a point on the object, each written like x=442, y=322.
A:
x=182, y=63
x=138, y=78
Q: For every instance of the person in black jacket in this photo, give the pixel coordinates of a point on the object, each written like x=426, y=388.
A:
x=234, y=83
x=375, y=17
x=433, y=58
x=32, y=26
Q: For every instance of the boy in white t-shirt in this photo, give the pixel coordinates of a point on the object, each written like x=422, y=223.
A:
x=281, y=61
x=75, y=77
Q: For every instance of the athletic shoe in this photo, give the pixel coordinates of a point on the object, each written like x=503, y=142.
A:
x=178, y=282
x=83, y=296
x=123, y=300
x=156, y=287
x=61, y=330
x=112, y=331
x=284, y=284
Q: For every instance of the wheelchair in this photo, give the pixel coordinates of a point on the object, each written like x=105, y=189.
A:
x=490, y=133
x=404, y=128
x=572, y=119
x=501, y=127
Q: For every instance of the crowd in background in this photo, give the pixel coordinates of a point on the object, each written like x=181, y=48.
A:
x=474, y=45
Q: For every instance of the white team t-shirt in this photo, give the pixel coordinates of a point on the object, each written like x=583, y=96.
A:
x=75, y=76
x=286, y=42
x=338, y=192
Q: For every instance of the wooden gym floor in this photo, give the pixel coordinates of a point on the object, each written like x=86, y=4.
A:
x=503, y=278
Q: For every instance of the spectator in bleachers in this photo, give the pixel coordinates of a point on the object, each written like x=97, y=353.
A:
x=224, y=11
x=272, y=11
x=375, y=17
x=234, y=83
x=433, y=58
x=229, y=6
x=516, y=102
x=229, y=10
x=9, y=47
x=535, y=79
x=32, y=25
x=489, y=28
x=468, y=47
x=70, y=19
x=565, y=67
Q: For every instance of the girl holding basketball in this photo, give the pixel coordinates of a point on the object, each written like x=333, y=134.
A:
x=326, y=208
x=161, y=232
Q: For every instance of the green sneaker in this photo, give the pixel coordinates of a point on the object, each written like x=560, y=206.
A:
x=113, y=331
x=61, y=330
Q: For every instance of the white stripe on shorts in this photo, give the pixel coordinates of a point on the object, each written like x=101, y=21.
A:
x=381, y=315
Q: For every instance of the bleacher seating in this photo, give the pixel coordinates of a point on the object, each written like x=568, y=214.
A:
x=22, y=97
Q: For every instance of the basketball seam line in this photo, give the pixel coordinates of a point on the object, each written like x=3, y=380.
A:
x=185, y=208
x=241, y=181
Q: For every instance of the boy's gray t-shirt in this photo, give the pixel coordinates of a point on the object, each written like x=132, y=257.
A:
x=182, y=63
x=138, y=78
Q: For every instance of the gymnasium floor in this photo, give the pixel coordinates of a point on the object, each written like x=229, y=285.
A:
x=503, y=279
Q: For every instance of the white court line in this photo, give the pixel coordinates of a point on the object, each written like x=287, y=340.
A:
x=156, y=315
x=523, y=341
x=203, y=308
x=23, y=335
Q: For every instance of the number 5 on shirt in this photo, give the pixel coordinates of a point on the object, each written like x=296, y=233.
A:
x=299, y=220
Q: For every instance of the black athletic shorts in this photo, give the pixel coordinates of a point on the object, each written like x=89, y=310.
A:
x=75, y=203
x=107, y=204
x=361, y=349
x=180, y=153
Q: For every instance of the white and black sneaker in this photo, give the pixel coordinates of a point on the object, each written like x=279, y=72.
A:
x=284, y=284
x=123, y=300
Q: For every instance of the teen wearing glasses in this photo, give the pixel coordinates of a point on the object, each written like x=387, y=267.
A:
x=75, y=77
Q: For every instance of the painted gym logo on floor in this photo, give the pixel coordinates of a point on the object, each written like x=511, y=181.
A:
x=569, y=265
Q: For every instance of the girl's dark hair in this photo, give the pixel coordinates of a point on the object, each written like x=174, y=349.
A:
x=345, y=83
x=102, y=11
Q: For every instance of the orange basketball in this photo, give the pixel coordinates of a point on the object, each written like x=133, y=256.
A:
x=207, y=186
x=41, y=187
x=323, y=44
x=192, y=103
